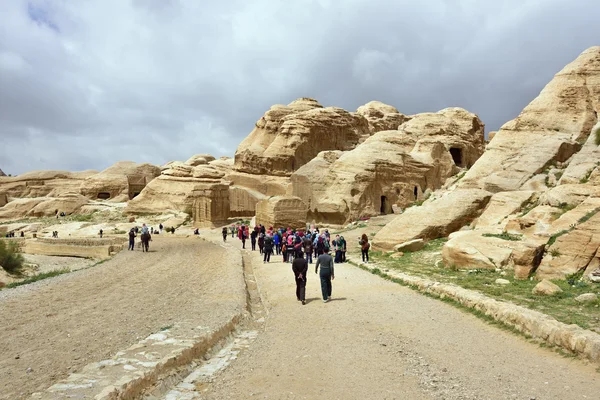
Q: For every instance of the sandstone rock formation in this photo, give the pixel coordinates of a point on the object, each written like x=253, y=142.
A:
x=381, y=117
x=542, y=169
x=68, y=203
x=2, y=173
x=196, y=187
x=287, y=137
x=546, y=288
x=121, y=182
x=390, y=168
x=282, y=211
x=550, y=129
x=43, y=183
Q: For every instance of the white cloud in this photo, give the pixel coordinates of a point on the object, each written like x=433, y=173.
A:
x=84, y=84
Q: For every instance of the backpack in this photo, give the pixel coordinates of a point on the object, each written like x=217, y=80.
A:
x=131, y=235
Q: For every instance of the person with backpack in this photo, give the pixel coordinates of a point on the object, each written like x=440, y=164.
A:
x=300, y=269
x=268, y=248
x=308, y=248
x=364, y=247
x=277, y=242
x=253, y=239
x=242, y=235
x=131, y=239
x=261, y=243
x=343, y=246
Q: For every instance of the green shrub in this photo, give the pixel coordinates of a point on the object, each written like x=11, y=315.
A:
x=597, y=137
x=38, y=277
x=10, y=257
x=81, y=217
x=504, y=236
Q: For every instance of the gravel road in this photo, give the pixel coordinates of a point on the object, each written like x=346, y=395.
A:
x=379, y=340
x=57, y=326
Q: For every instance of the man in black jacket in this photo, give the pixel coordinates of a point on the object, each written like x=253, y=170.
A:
x=300, y=268
x=268, y=248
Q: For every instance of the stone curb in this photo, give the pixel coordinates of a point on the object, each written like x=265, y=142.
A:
x=157, y=360
x=533, y=323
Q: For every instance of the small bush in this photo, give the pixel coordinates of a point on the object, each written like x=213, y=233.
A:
x=504, y=236
x=10, y=257
x=555, y=253
x=82, y=217
x=131, y=219
x=39, y=277
x=556, y=236
x=597, y=137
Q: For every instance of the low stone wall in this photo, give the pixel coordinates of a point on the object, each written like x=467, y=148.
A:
x=87, y=248
x=535, y=324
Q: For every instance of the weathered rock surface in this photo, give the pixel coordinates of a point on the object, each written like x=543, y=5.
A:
x=432, y=220
x=546, y=288
x=381, y=117
x=470, y=249
x=2, y=173
x=287, y=137
x=391, y=168
x=200, y=159
x=572, y=251
x=69, y=203
x=584, y=163
x=43, y=183
x=586, y=298
x=501, y=206
x=548, y=130
x=412, y=245
x=281, y=211
x=120, y=182
x=180, y=185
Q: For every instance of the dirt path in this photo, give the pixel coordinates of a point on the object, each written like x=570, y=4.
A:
x=57, y=326
x=379, y=340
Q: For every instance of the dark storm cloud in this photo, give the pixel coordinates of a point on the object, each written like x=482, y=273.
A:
x=85, y=84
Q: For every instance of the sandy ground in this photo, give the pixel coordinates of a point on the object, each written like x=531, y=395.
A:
x=379, y=340
x=58, y=325
x=52, y=263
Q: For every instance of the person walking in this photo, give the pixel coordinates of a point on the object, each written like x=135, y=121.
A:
x=261, y=243
x=131, y=240
x=300, y=269
x=343, y=246
x=268, y=248
x=160, y=227
x=337, y=248
x=224, y=233
x=242, y=235
x=364, y=247
x=101, y=233
x=253, y=239
x=325, y=261
x=308, y=249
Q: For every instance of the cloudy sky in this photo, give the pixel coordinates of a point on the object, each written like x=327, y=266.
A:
x=84, y=84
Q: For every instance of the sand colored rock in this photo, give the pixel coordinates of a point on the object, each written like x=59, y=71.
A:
x=432, y=220
x=501, y=206
x=179, y=186
x=470, y=249
x=281, y=211
x=548, y=130
x=247, y=189
x=199, y=159
x=586, y=298
x=391, y=168
x=2, y=173
x=569, y=195
x=42, y=206
x=413, y=245
x=211, y=205
x=546, y=288
x=586, y=161
x=572, y=251
x=287, y=137
x=461, y=131
x=3, y=199
x=381, y=117
x=43, y=183
x=120, y=182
